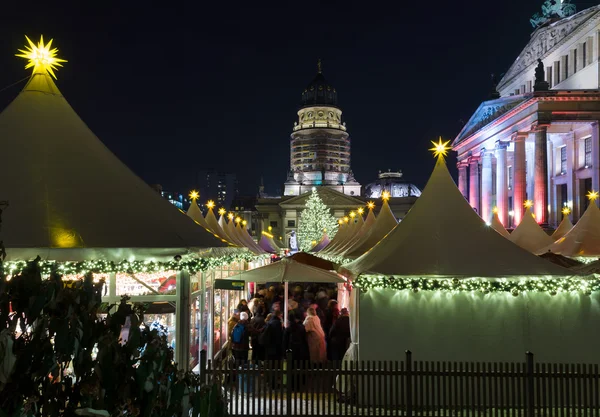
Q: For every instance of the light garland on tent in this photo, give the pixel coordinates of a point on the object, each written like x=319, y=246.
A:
x=515, y=287
x=131, y=267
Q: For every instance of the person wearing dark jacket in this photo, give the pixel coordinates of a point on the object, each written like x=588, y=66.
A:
x=257, y=326
x=272, y=338
x=240, y=339
x=294, y=339
x=339, y=336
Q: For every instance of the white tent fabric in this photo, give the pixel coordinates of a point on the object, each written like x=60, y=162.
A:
x=384, y=223
x=288, y=270
x=583, y=239
x=529, y=235
x=214, y=226
x=366, y=227
x=268, y=244
x=66, y=190
x=442, y=236
x=196, y=215
x=324, y=241
x=350, y=240
x=341, y=234
x=563, y=228
x=246, y=239
x=498, y=227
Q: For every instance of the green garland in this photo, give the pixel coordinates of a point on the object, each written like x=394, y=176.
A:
x=515, y=287
x=131, y=267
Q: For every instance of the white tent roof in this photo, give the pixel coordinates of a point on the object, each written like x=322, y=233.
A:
x=341, y=234
x=583, y=239
x=442, y=236
x=268, y=244
x=66, y=190
x=247, y=240
x=564, y=227
x=324, y=241
x=529, y=235
x=196, y=215
x=498, y=227
x=350, y=240
x=288, y=270
x=384, y=223
x=212, y=222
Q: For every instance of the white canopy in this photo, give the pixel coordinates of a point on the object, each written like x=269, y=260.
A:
x=384, y=223
x=442, y=236
x=196, y=215
x=498, y=226
x=343, y=230
x=564, y=227
x=358, y=231
x=324, y=241
x=288, y=270
x=70, y=196
x=529, y=235
x=583, y=239
x=268, y=244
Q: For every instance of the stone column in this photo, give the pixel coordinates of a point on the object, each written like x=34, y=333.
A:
x=474, y=184
x=595, y=157
x=501, y=183
x=486, y=186
x=462, y=178
x=540, y=196
x=519, y=177
x=570, y=142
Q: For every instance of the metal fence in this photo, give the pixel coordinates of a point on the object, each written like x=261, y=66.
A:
x=410, y=388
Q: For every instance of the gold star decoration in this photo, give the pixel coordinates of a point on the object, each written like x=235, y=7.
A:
x=346, y=219
x=238, y=219
x=566, y=210
x=495, y=210
x=352, y=214
x=41, y=57
x=194, y=195
x=222, y=211
x=385, y=195
x=341, y=221
x=210, y=204
x=360, y=210
x=230, y=216
x=440, y=148
x=528, y=203
x=592, y=195
x=370, y=205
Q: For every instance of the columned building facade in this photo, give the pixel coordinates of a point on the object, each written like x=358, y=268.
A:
x=538, y=138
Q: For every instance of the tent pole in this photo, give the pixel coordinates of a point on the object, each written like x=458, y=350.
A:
x=285, y=304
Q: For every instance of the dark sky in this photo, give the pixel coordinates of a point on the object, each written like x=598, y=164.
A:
x=175, y=89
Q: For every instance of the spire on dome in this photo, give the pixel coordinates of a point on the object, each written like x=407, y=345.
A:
x=319, y=66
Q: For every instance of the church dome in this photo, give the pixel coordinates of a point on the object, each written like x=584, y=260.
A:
x=393, y=183
x=319, y=92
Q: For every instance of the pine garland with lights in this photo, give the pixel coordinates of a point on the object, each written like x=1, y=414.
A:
x=131, y=267
x=315, y=219
x=515, y=287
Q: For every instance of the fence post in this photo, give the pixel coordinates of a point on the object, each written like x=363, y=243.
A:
x=530, y=384
x=408, y=383
x=288, y=381
x=202, y=365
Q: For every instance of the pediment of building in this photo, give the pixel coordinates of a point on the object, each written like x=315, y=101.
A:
x=545, y=39
x=330, y=197
x=487, y=112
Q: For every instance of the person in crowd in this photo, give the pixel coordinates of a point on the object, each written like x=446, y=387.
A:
x=319, y=312
x=243, y=307
x=240, y=339
x=257, y=326
x=294, y=339
x=233, y=320
x=339, y=336
x=272, y=337
x=315, y=337
x=331, y=314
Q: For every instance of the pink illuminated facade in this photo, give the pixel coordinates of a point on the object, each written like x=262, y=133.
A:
x=537, y=140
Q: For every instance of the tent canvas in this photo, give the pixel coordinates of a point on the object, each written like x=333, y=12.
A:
x=498, y=226
x=384, y=223
x=529, y=235
x=288, y=270
x=563, y=228
x=583, y=239
x=443, y=236
x=66, y=188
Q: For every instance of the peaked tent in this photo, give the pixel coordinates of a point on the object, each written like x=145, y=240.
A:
x=66, y=189
x=529, y=235
x=583, y=239
x=196, y=215
x=498, y=226
x=384, y=223
x=358, y=228
x=342, y=233
x=267, y=244
x=442, y=236
x=366, y=227
x=213, y=223
x=563, y=228
x=324, y=241
x=288, y=270
x=246, y=239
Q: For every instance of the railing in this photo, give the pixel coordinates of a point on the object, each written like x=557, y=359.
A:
x=410, y=388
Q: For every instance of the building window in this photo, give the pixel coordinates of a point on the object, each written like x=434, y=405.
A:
x=587, y=144
x=563, y=160
x=273, y=225
x=510, y=177
x=574, y=61
x=556, y=72
x=549, y=76
x=291, y=223
x=584, y=54
x=566, y=69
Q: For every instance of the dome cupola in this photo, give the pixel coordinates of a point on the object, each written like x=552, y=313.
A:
x=319, y=91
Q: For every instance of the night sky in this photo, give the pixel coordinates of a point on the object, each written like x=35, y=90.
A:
x=173, y=90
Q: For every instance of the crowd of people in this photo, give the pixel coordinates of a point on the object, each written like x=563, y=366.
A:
x=317, y=329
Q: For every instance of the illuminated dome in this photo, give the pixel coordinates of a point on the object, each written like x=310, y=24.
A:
x=393, y=183
x=319, y=91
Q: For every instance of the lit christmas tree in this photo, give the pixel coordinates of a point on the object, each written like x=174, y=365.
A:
x=315, y=220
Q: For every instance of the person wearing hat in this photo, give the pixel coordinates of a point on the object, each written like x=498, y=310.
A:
x=339, y=336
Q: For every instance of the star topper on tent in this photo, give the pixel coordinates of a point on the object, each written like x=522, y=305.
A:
x=440, y=149
x=42, y=57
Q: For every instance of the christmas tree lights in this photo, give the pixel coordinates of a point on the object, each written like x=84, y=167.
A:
x=315, y=218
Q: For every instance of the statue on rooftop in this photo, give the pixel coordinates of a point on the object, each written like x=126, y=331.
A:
x=540, y=78
x=553, y=9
